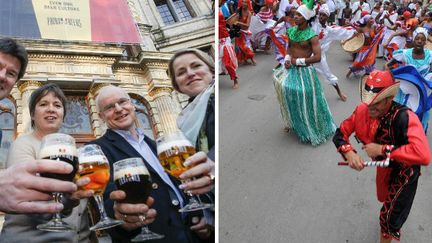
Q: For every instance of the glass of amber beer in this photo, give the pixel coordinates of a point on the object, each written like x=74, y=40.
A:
x=132, y=177
x=58, y=147
x=94, y=165
x=173, y=149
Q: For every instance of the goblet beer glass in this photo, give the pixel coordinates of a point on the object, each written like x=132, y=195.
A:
x=173, y=149
x=94, y=165
x=58, y=147
x=132, y=177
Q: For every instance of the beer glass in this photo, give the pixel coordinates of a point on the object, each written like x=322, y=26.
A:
x=173, y=149
x=58, y=147
x=94, y=165
x=132, y=177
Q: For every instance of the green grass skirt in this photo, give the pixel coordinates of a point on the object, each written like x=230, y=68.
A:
x=303, y=105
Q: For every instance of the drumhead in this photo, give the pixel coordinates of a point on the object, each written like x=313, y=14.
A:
x=428, y=45
x=232, y=19
x=355, y=44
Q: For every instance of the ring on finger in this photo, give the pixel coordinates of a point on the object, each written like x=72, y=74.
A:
x=124, y=216
x=212, y=177
x=142, y=218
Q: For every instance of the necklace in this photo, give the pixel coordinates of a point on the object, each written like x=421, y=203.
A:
x=297, y=35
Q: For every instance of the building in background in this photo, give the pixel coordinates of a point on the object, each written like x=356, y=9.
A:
x=83, y=45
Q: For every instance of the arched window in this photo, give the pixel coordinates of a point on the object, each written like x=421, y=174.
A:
x=7, y=128
x=143, y=116
x=77, y=121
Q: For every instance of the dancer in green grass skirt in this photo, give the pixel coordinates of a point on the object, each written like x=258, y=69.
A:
x=303, y=105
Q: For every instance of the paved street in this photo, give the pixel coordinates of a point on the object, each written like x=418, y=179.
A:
x=275, y=189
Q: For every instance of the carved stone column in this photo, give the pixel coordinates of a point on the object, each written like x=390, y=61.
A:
x=98, y=125
x=26, y=88
x=147, y=41
x=167, y=109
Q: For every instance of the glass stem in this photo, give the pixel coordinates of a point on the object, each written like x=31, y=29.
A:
x=145, y=230
x=192, y=197
x=56, y=196
x=99, y=201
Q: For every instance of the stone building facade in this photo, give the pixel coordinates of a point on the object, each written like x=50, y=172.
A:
x=82, y=68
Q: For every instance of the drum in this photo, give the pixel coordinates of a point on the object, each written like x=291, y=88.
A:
x=355, y=44
x=231, y=20
x=428, y=45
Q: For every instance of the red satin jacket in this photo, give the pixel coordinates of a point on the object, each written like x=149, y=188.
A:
x=400, y=127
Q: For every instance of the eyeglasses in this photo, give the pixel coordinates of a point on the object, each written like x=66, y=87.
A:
x=123, y=102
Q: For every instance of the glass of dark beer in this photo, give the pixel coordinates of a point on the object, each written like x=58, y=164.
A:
x=132, y=177
x=173, y=149
x=58, y=147
x=94, y=165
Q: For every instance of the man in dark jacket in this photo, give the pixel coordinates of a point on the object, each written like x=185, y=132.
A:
x=124, y=140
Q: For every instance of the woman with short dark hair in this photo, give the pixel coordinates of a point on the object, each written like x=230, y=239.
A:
x=47, y=110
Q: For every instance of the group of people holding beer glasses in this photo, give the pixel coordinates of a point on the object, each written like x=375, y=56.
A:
x=121, y=169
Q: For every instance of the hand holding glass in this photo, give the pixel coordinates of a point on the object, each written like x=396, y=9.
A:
x=58, y=147
x=94, y=165
x=132, y=177
x=173, y=149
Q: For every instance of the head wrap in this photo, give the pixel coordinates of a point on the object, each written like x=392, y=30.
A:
x=269, y=2
x=364, y=19
x=325, y=10
x=420, y=30
x=289, y=7
x=306, y=9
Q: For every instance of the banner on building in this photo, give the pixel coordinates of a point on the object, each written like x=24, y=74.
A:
x=71, y=20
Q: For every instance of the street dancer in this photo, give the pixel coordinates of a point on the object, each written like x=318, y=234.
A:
x=386, y=128
x=326, y=35
x=418, y=57
x=298, y=88
x=366, y=57
x=243, y=45
x=278, y=36
x=227, y=58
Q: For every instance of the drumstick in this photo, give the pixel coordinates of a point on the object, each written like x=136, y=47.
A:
x=381, y=163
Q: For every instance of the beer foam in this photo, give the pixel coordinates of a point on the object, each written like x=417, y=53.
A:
x=57, y=149
x=178, y=143
x=92, y=158
x=140, y=170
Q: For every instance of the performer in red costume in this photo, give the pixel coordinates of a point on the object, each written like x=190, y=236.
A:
x=227, y=58
x=384, y=126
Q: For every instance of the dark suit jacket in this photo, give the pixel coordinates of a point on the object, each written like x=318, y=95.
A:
x=169, y=221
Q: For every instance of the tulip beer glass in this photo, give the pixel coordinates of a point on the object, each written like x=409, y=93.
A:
x=132, y=177
x=58, y=147
x=94, y=165
x=173, y=149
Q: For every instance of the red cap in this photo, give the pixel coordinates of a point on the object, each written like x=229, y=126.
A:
x=364, y=12
x=407, y=14
x=380, y=79
x=269, y=2
x=377, y=86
